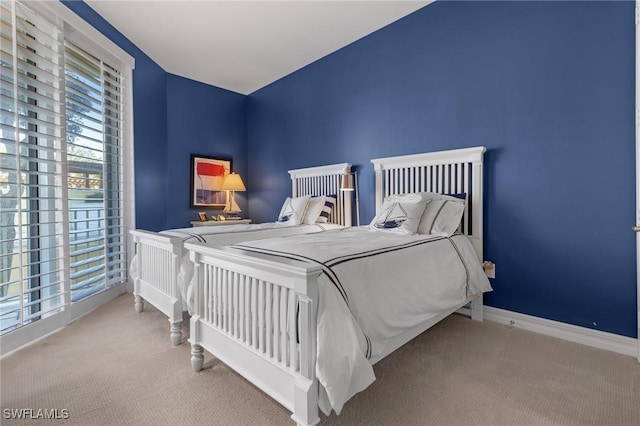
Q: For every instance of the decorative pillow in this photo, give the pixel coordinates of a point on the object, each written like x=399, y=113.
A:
x=329, y=204
x=398, y=216
x=443, y=214
x=293, y=210
x=314, y=209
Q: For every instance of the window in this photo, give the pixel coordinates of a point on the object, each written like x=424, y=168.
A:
x=64, y=150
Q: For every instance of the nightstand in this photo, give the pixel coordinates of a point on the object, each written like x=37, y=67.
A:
x=220, y=222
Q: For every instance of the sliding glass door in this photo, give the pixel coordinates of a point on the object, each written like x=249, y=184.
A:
x=62, y=181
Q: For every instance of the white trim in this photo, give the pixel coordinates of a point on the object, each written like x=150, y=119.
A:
x=470, y=155
x=331, y=169
x=572, y=333
x=637, y=126
x=110, y=51
x=129, y=178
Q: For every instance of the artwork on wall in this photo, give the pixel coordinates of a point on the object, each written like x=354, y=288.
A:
x=207, y=176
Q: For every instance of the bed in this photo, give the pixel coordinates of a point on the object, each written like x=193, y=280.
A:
x=306, y=318
x=161, y=266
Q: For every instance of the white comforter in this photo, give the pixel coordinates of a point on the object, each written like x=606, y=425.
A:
x=216, y=236
x=375, y=286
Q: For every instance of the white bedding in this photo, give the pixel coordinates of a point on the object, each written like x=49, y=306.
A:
x=375, y=286
x=216, y=236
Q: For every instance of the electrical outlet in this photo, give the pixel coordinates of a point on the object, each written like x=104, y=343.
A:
x=489, y=269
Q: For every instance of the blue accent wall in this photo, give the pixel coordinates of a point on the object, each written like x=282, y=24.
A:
x=206, y=120
x=547, y=87
x=173, y=117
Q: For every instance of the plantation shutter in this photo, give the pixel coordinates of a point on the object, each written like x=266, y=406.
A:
x=32, y=215
x=95, y=169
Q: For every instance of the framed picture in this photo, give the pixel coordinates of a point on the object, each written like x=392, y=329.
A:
x=207, y=174
x=202, y=216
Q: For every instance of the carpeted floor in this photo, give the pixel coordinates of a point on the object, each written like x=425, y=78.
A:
x=116, y=367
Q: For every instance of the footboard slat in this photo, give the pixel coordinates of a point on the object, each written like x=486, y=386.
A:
x=235, y=305
x=254, y=313
x=293, y=332
x=259, y=317
x=276, y=324
x=283, y=327
x=268, y=314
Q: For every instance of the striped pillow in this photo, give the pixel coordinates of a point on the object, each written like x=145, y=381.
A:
x=314, y=208
x=329, y=203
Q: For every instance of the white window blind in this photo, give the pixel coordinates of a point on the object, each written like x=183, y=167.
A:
x=31, y=219
x=62, y=169
x=94, y=161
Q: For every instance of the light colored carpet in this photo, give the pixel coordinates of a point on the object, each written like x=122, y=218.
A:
x=116, y=367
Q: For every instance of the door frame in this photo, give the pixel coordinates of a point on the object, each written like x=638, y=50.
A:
x=637, y=133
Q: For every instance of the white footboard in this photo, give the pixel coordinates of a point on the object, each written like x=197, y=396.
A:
x=157, y=264
x=259, y=317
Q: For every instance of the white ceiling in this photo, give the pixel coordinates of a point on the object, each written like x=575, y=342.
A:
x=245, y=45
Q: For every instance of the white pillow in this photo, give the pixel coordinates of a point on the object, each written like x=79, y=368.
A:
x=293, y=210
x=399, y=216
x=415, y=197
x=314, y=208
x=443, y=214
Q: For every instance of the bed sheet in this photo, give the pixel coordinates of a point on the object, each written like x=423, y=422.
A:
x=375, y=285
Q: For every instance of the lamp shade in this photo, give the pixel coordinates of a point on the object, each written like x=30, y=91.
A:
x=233, y=182
x=347, y=182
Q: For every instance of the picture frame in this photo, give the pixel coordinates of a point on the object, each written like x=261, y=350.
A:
x=207, y=174
x=202, y=216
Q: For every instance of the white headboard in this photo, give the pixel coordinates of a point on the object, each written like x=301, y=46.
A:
x=324, y=180
x=445, y=172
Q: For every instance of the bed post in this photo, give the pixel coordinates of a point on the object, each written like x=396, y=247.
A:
x=305, y=411
x=379, y=188
x=197, y=352
x=477, y=309
x=138, y=302
x=175, y=319
x=305, y=404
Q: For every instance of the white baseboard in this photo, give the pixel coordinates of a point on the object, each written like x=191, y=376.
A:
x=597, y=339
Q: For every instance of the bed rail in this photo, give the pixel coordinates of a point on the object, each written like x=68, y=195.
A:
x=259, y=317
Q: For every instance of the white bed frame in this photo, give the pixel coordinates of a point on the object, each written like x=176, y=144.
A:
x=245, y=304
x=159, y=255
